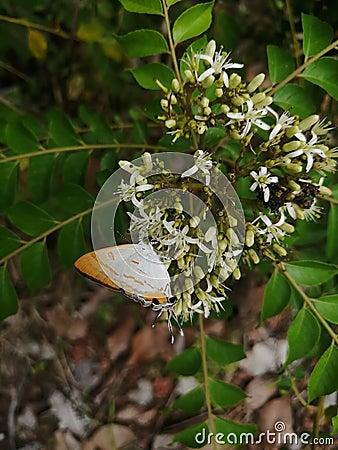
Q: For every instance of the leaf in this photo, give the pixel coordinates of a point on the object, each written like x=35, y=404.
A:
x=8, y=296
x=192, y=401
x=172, y=2
x=61, y=130
x=311, y=273
x=71, y=243
x=223, y=352
x=142, y=6
x=323, y=73
x=303, y=335
x=225, y=394
x=143, y=43
x=186, y=363
x=195, y=436
x=335, y=425
x=35, y=266
x=90, y=31
x=74, y=199
x=332, y=232
x=145, y=75
x=276, y=296
x=192, y=22
x=75, y=167
x=233, y=433
x=39, y=176
x=280, y=63
x=37, y=43
x=30, y=219
x=9, y=241
x=317, y=34
x=20, y=139
x=328, y=307
x=8, y=183
x=323, y=379
x=295, y=99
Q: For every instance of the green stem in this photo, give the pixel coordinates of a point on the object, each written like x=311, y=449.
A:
x=297, y=393
x=45, y=234
x=296, y=46
x=301, y=68
x=206, y=381
x=319, y=414
x=171, y=43
x=332, y=200
x=79, y=148
x=308, y=302
x=26, y=23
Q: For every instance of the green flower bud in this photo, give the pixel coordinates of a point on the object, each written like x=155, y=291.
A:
x=211, y=48
x=266, y=102
x=279, y=250
x=160, y=85
x=189, y=76
x=236, y=273
x=307, y=123
x=291, y=131
x=207, y=111
x=253, y=255
x=294, y=186
x=234, y=80
x=208, y=82
x=294, y=168
x=256, y=82
x=219, y=92
x=292, y=146
x=225, y=109
x=175, y=85
x=204, y=102
x=287, y=227
x=238, y=101
x=170, y=123
x=257, y=98
x=194, y=221
x=323, y=190
x=147, y=161
x=249, y=238
x=299, y=212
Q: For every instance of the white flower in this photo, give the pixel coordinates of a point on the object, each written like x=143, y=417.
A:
x=308, y=149
x=262, y=179
x=251, y=116
x=289, y=208
x=282, y=122
x=177, y=236
x=202, y=163
x=146, y=224
x=128, y=191
x=219, y=63
x=271, y=230
x=312, y=212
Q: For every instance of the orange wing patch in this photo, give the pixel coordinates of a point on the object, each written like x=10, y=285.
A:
x=89, y=266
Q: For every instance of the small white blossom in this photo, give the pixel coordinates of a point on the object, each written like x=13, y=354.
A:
x=219, y=63
x=312, y=212
x=251, y=116
x=308, y=149
x=147, y=224
x=128, y=191
x=202, y=163
x=271, y=230
x=263, y=179
x=282, y=122
x=290, y=209
x=178, y=237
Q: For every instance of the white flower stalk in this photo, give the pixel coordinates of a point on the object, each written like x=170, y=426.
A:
x=282, y=122
x=308, y=149
x=219, y=63
x=202, y=163
x=262, y=180
x=251, y=117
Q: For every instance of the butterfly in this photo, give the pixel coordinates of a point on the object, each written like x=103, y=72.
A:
x=137, y=270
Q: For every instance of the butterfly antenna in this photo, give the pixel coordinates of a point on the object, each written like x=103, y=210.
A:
x=170, y=327
x=156, y=319
x=178, y=323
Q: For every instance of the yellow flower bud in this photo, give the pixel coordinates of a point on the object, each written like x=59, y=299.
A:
x=279, y=250
x=253, y=255
x=249, y=238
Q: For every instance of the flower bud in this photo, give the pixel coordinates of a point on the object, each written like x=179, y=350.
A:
x=164, y=104
x=307, y=123
x=299, y=212
x=257, y=98
x=219, y=92
x=279, y=250
x=160, y=85
x=204, y=102
x=175, y=85
x=170, y=123
x=287, y=227
x=189, y=76
x=208, y=82
x=225, y=109
x=234, y=80
x=294, y=168
x=294, y=186
x=265, y=102
x=256, y=82
x=194, y=221
x=249, y=238
x=236, y=273
x=127, y=166
x=323, y=190
x=253, y=255
x=292, y=146
x=211, y=48
x=238, y=101
x=147, y=160
x=207, y=111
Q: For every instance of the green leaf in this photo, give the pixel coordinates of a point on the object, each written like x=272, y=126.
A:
x=145, y=75
x=74, y=199
x=280, y=63
x=303, y=335
x=294, y=98
x=71, y=243
x=9, y=241
x=328, y=307
x=335, y=425
x=317, y=35
x=192, y=22
x=311, y=273
x=8, y=183
x=224, y=394
x=75, y=167
x=35, y=126
x=142, y=6
x=143, y=43
x=186, y=363
x=20, y=139
x=332, y=233
x=323, y=379
x=223, y=352
x=61, y=130
x=323, y=73
x=193, y=437
x=172, y=2
x=276, y=296
x=35, y=266
x=30, y=219
x=8, y=296
x=192, y=401
x=233, y=433
x=39, y=176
